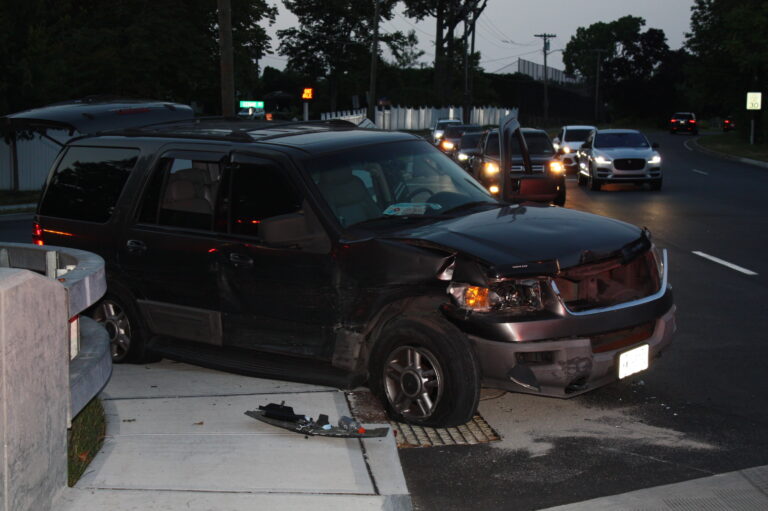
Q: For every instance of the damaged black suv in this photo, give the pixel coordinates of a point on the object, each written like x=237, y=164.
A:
x=324, y=253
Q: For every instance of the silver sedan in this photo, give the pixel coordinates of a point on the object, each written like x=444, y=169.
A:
x=619, y=156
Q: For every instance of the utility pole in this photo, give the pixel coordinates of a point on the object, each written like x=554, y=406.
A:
x=546, y=38
x=227, y=60
x=467, y=104
x=597, y=84
x=374, y=61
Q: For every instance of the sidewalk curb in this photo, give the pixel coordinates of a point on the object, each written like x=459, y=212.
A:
x=757, y=163
x=15, y=207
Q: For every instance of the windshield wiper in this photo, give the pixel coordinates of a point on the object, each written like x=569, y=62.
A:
x=468, y=205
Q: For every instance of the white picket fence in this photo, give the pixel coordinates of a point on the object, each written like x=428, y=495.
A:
x=420, y=118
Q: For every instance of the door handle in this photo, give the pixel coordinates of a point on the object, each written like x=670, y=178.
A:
x=136, y=246
x=240, y=259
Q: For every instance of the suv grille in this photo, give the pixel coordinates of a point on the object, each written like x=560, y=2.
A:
x=608, y=283
x=629, y=164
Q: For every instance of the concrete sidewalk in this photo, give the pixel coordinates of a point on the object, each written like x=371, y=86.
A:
x=177, y=438
x=744, y=490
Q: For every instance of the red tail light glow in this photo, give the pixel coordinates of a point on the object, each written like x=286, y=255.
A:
x=692, y=121
x=37, y=234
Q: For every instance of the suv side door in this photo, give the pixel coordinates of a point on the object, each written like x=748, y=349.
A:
x=273, y=298
x=166, y=257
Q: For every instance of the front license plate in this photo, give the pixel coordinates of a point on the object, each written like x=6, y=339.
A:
x=633, y=361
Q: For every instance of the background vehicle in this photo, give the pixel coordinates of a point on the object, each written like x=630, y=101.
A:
x=683, y=121
x=729, y=124
x=439, y=128
x=550, y=183
x=449, y=143
x=619, y=156
x=467, y=148
x=568, y=141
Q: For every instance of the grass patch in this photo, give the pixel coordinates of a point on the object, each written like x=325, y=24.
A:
x=84, y=439
x=731, y=143
x=9, y=198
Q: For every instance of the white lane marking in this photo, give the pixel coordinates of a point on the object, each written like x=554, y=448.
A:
x=700, y=172
x=725, y=263
x=685, y=144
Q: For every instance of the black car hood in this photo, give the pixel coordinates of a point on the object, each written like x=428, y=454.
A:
x=527, y=238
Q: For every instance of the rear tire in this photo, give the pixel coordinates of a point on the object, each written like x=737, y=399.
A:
x=127, y=331
x=425, y=372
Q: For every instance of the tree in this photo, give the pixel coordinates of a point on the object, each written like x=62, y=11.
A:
x=334, y=39
x=629, y=59
x=138, y=48
x=727, y=39
x=448, y=15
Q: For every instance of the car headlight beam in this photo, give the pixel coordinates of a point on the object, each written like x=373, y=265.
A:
x=655, y=159
x=601, y=160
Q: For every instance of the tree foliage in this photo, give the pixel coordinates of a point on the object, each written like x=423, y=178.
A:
x=334, y=39
x=629, y=60
x=139, y=48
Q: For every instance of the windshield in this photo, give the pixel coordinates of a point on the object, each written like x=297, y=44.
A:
x=393, y=180
x=576, y=135
x=470, y=140
x=457, y=130
x=537, y=142
x=629, y=139
x=442, y=124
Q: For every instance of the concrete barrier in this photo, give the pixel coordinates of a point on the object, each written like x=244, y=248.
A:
x=50, y=366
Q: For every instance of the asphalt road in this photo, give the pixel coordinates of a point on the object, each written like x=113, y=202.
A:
x=703, y=407
x=701, y=410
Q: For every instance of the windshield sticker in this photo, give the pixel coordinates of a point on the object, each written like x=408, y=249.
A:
x=410, y=208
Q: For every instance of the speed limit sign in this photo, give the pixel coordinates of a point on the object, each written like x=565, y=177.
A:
x=754, y=100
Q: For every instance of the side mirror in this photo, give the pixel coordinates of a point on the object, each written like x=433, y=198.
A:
x=293, y=230
x=655, y=145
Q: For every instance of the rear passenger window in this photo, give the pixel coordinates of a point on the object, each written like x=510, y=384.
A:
x=182, y=193
x=88, y=182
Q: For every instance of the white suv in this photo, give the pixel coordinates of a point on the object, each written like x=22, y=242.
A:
x=567, y=143
x=439, y=128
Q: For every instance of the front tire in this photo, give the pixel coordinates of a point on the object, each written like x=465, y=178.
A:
x=127, y=333
x=425, y=372
x=594, y=183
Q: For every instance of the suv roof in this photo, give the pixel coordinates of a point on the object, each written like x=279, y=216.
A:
x=298, y=134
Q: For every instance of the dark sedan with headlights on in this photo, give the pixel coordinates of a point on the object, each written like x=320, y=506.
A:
x=544, y=183
x=619, y=156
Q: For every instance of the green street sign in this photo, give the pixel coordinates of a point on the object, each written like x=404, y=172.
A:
x=251, y=104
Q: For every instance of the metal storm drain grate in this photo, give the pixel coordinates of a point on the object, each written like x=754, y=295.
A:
x=367, y=409
x=476, y=431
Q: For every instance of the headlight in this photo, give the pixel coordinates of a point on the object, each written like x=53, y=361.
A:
x=491, y=169
x=556, y=167
x=566, y=149
x=493, y=189
x=600, y=160
x=438, y=133
x=447, y=145
x=655, y=160
x=463, y=156
x=517, y=297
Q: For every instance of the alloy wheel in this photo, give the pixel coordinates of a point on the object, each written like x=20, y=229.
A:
x=413, y=381
x=118, y=325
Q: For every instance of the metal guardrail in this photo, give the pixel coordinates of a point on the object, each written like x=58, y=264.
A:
x=82, y=275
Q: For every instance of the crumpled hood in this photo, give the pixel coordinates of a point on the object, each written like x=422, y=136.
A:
x=509, y=238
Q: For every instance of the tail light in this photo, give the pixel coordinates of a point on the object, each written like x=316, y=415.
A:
x=727, y=121
x=692, y=121
x=37, y=234
x=672, y=120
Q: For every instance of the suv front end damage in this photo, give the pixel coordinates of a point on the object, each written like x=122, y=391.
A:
x=571, y=331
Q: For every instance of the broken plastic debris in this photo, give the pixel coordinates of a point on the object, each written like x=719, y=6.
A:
x=284, y=417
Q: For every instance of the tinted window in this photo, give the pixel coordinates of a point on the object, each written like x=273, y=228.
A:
x=605, y=140
x=88, y=182
x=492, y=145
x=683, y=116
x=470, y=140
x=576, y=135
x=259, y=192
x=189, y=194
x=537, y=142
